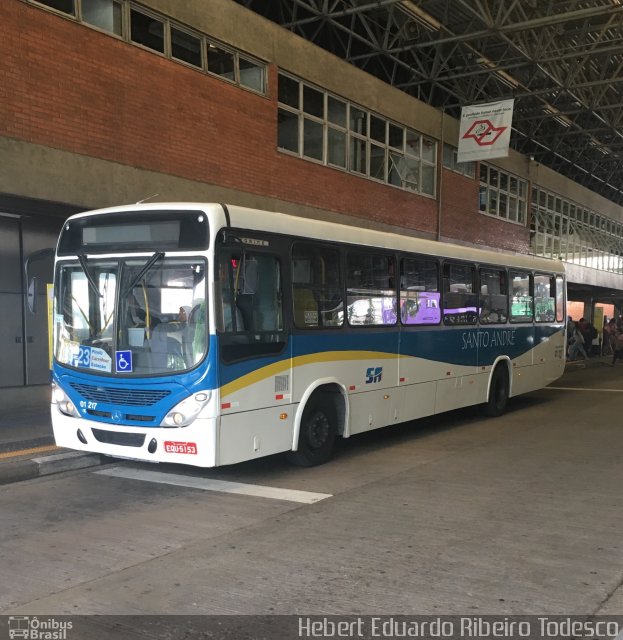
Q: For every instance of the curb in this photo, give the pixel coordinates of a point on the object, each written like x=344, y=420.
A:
x=30, y=468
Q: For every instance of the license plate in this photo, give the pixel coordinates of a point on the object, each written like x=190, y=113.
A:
x=180, y=447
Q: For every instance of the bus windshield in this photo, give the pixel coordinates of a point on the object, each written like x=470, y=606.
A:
x=131, y=316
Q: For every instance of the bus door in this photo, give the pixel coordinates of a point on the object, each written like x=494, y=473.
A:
x=254, y=352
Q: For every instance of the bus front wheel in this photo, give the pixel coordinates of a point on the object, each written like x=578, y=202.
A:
x=316, y=436
x=498, y=393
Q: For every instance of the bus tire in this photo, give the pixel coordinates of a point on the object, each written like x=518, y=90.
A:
x=317, y=434
x=498, y=393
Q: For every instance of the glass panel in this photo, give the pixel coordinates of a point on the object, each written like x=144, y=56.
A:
x=493, y=177
x=288, y=130
x=503, y=205
x=419, y=291
x=460, y=304
x=160, y=322
x=493, y=296
x=358, y=121
x=312, y=139
x=521, y=304
x=413, y=143
x=66, y=6
x=104, y=14
x=371, y=295
x=377, y=162
x=482, y=198
x=468, y=168
x=249, y=312
x=336, y=111
x=429, y=150
x=393, y=173
x=404, y=172
x=409, y=170
x=336, y=147
x=395, y=136
x=448, y=156
x=357, y=160
x=251, y=74
x=493, y=202
x=377, y=129
x=288, y=91
x=544, y=298
x=146, y=30
x=316, y=287
x=186, y=47
x=313, y=102
x=221, y=62
x=428, y=179
x=560, y=299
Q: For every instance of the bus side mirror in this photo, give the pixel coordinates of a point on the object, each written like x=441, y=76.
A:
x=31, y=291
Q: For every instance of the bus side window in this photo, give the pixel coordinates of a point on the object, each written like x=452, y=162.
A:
x=249, y=305
x=317, y=299
x=460, y=300
x=371, y=290
x=493, y=296
x=544, y=298
x=522, y=300
x=419, y=291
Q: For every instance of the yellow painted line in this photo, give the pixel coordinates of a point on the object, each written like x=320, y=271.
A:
x=25, y=452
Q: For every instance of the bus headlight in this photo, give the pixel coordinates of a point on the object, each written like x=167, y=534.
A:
x=186, y=411
x=63, y=403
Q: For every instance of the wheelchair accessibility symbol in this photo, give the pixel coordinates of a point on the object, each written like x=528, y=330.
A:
x=123, y=361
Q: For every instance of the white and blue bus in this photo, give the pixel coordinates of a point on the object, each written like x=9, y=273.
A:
x=207, y=334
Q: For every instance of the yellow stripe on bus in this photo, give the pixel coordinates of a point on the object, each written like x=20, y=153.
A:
x=312, y=358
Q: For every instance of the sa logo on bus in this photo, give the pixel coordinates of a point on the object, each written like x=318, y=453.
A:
x=374, y=374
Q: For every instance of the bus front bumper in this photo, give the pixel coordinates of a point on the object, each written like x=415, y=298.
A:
x=192, y=445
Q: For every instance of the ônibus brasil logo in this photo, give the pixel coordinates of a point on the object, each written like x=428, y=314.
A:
x=33, y=628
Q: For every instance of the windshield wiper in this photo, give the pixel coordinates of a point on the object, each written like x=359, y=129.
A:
x=85, y=267
x=148, y=265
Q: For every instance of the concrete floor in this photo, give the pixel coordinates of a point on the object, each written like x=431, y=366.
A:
x=456, y=514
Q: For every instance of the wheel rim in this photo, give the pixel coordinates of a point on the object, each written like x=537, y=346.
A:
x=318, y=429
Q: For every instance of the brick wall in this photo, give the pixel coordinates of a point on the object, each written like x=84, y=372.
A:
x=67, y=86
x=461, y=219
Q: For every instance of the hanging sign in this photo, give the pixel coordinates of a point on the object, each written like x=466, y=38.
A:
x=485, y=131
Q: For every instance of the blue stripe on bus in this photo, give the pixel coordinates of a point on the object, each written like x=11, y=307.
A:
x=463, y=346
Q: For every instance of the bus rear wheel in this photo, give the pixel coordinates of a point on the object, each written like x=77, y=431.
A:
x=317, y=435
x=498, y=393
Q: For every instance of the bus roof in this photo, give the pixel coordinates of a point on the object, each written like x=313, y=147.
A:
x=271, y=221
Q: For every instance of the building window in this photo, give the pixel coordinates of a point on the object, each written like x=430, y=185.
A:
x=156, y=32
x=221, y=62
x=104, y=14
x=66, y=6
x=344, y=135
x=146, y=30
x=561, y=229
x=252, y=74
x=450, y=155
x=502, y=195
x=186, y=47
